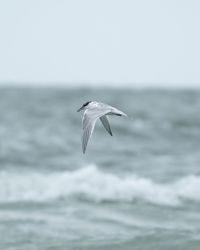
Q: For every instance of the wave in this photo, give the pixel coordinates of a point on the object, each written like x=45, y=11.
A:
x=91, y=183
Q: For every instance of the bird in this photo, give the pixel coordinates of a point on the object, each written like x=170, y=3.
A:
x=93, y=111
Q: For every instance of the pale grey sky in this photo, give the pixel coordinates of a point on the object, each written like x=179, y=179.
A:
x=135, y=42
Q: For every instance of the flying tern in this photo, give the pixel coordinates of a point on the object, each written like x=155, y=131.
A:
x=93, y=111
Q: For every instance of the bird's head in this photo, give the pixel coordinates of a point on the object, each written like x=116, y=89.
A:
x=83, y=106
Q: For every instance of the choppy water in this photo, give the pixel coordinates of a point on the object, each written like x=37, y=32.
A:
x=139, y=189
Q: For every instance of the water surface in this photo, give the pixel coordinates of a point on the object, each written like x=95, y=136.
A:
x=139, y=189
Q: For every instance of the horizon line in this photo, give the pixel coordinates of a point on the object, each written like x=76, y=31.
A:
x=117, y=85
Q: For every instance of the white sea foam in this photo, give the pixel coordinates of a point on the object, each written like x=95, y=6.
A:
x=91, y=183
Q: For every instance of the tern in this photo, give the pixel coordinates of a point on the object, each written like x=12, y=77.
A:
x=93, y=111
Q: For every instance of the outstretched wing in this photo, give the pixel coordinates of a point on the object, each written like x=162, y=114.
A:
x=89, y=120
x=106, y=124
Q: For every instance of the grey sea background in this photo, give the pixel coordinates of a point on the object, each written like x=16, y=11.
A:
x=139, y=189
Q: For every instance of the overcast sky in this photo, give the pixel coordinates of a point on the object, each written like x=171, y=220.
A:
x=135, y=42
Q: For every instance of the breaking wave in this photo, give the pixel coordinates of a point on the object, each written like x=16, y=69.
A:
x=93, y=184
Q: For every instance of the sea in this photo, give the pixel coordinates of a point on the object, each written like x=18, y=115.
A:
x=138, y=189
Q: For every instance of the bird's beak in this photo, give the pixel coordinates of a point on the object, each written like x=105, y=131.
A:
x=80, y=109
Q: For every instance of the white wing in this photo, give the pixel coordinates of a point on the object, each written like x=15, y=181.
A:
x=89, y=120
x=106, y=124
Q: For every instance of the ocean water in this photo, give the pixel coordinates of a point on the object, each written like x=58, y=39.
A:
x=139, y=189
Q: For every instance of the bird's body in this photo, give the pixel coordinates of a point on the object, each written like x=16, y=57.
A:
x=93, y=111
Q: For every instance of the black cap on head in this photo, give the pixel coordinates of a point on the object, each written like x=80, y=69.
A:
x=83, y=106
